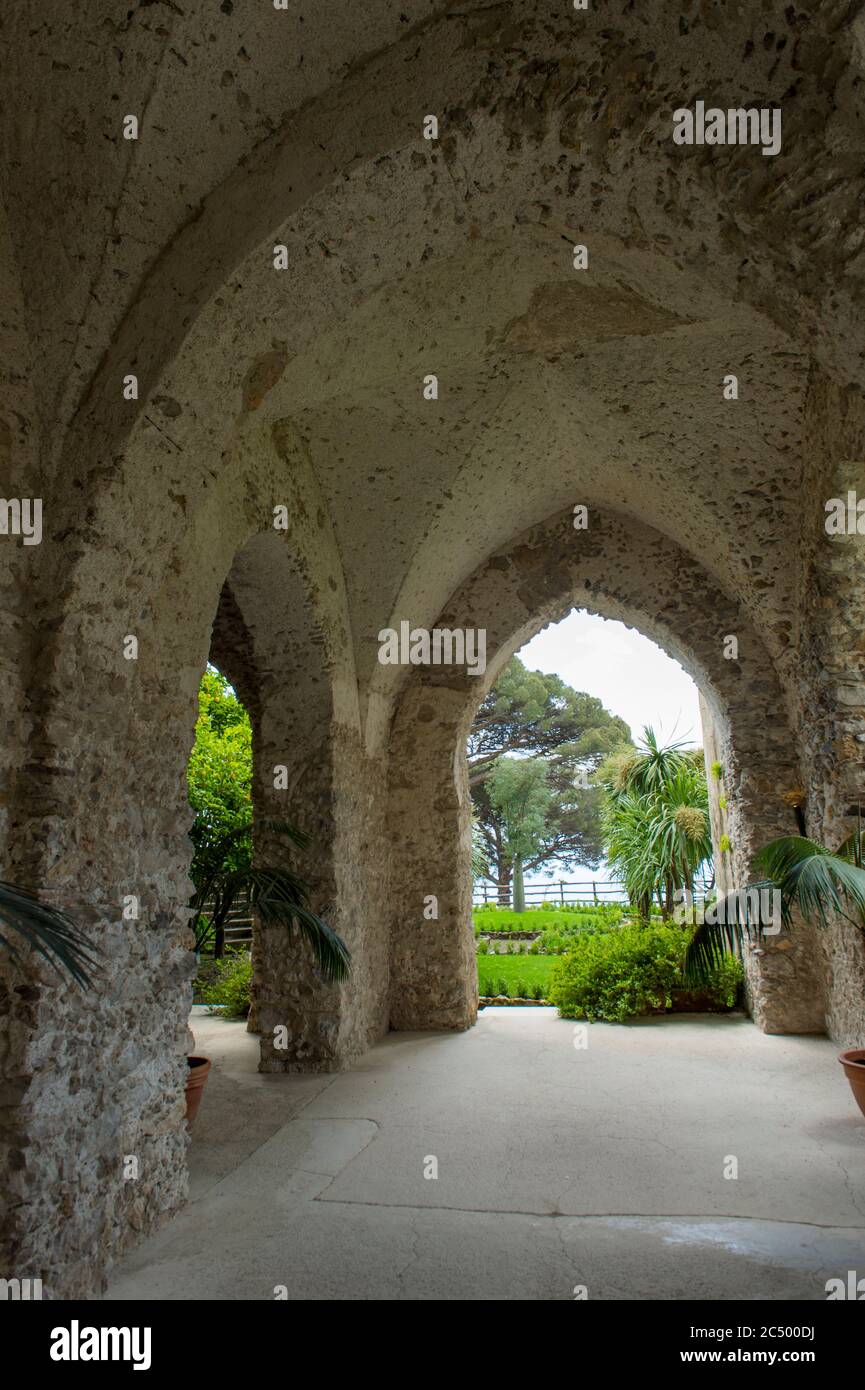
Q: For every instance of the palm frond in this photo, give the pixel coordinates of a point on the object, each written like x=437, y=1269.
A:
x=283, y=827
x=732, y=921
x=707, y=948
x=278, y=897
x=46, y=930
x=853, y=848
x=819, y=882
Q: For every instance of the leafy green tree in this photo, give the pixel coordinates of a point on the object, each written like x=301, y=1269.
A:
x=220, y=779
x=542, y=719
x=540, y=716
x=656, y=820
x=520, y=795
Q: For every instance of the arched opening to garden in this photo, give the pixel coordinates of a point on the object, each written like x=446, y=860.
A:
x=591, y=814
x=622, y=569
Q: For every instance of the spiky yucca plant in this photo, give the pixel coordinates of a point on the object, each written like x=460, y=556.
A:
x=656, y=819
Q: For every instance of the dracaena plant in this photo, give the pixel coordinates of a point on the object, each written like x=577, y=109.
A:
x=46, y=930
x=225, y=878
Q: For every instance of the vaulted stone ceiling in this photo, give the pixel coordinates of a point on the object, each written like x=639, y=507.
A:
x=408, y=256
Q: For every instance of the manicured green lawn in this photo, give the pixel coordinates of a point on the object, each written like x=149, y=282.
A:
x=531, y=969
x=537, y=918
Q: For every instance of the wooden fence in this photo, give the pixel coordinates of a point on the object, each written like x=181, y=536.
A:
x=562, y=893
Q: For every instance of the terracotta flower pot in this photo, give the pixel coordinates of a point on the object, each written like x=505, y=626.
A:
x=853, y=1062
x=198, y=1068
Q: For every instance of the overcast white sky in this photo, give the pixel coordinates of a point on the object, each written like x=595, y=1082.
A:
x=633, y=677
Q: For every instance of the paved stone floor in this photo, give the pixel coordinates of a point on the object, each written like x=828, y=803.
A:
x=558, y=1167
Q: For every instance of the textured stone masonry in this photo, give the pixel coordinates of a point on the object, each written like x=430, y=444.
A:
x=302, y=389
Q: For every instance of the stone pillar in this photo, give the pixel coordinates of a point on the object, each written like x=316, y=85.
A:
x=336, y=797
x=784, y=976
x=94, y=1079
x=434, y=973
x=828, y=680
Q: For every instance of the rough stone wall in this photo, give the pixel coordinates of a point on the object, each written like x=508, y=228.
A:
x=103, y=811
x=339, y=801
x=433, y=967
x=302, y=388
x=829, y=679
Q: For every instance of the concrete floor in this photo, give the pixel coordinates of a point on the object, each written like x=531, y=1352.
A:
x=558, y=1167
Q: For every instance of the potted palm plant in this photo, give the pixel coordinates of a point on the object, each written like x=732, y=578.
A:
x=822, y=883
x=226, y=878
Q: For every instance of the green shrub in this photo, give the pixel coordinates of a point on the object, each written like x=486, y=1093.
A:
x=631, y=970
x=231, y=985
x=521, y=990
x=725, y=980
x=537, y=990
x=618, y=974
x=483, y=947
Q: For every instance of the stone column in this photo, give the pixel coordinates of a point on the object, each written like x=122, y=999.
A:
x=337, y=797
x=434, y=973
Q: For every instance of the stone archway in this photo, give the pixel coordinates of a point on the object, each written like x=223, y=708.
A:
x=307, y=769
x=154, y=260
x=105, y=815
x=621, y=569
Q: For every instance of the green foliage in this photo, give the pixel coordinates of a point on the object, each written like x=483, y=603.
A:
x=656, y=820
x=820, y=882
x=502, y=974
x=520, y=797
x=616, y=975
x=724, y=980
x=480, y=863
x=231, y=985
x=220, y=779
x=542, y=719
x=47, y=930
x=530, y=976
x=538, y=714
x=276, y=894
x=717, y=770
x=489, y=917
x=724, y=844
